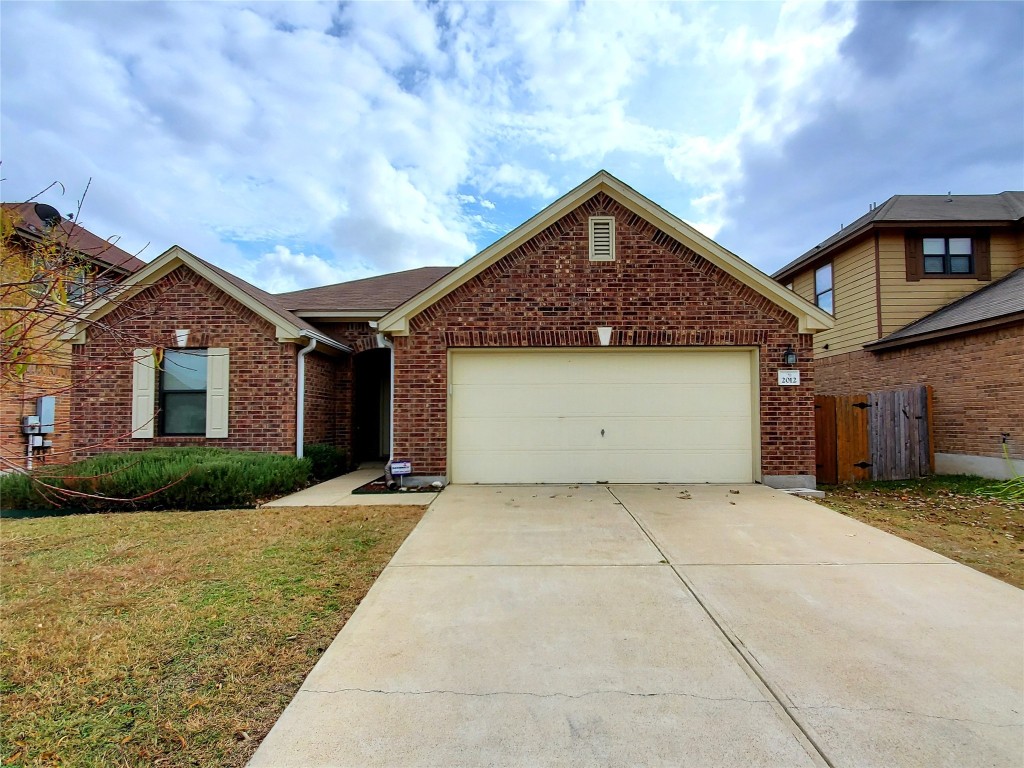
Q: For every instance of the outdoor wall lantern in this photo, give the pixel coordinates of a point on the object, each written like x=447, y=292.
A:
x=789, y=356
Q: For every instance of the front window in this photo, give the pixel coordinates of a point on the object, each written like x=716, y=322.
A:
x=183, y=392
x=823, y=287
x=948, y=256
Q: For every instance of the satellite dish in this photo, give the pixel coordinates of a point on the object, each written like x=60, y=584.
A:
x=47, y=214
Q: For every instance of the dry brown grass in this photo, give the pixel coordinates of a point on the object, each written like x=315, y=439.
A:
x=946, y=515
x=173, y=638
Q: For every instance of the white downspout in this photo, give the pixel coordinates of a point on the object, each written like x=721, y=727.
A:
x=300, y=399
x=383, y=341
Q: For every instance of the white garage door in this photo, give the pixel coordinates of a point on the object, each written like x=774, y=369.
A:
x=631, y=416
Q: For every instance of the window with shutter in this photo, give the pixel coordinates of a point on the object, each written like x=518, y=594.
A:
x=602, y=238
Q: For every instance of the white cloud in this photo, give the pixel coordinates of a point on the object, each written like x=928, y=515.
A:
x=390, y=135
x=515, y=181
x=280, y=270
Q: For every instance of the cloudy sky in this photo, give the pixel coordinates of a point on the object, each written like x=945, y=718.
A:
x=299, y=144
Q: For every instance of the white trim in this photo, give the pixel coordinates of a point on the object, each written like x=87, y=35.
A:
x=602, y=238
x=811, y=319
x=300, y=398
x=166, y=263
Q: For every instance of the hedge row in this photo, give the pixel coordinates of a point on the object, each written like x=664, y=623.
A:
x=168, y=478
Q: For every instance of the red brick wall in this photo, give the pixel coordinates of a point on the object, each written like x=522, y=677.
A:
x=328, y=400
x=358, y=336
x=977, y=386
x=18, y=399
x=262, y=370
x=547, y=293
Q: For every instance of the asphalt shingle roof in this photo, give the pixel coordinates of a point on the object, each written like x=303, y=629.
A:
x=999, y=299
x=383, y=292
x=268, y=300
x=914, y=209
x=78, y=238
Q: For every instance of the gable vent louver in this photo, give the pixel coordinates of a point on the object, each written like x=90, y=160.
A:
x=602, y=238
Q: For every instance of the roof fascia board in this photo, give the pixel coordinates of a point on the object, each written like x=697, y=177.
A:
x=341, y=314
x=957, y=330
x=811, y=318
x=166, y=263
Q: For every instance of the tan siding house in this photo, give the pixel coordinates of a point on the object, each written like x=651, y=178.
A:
x=929, y=289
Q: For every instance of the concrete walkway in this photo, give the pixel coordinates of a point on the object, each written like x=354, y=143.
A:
x=662, y=626
x=337, y=492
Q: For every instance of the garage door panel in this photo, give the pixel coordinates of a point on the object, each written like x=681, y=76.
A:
x=537, y=416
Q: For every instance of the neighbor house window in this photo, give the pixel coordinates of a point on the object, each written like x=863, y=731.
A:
x=75, y=285
x=823, y=287
x=183, y=392
x=948, y=256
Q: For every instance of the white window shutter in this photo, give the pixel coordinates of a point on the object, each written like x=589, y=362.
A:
x=217, y=374
x=143, y=393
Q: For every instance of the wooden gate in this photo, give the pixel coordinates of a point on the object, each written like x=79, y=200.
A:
x=883, y=435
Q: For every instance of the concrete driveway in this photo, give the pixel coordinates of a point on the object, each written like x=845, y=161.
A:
x=663, y=625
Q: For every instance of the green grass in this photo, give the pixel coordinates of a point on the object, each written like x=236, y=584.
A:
x=173, y=638
x=161, y=478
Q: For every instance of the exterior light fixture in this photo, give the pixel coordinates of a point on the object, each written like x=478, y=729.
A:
x=789, y=356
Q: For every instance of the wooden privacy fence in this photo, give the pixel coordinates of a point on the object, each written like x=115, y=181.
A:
x=885, y=435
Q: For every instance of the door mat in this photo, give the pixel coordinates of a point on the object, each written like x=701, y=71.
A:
x=380, y=486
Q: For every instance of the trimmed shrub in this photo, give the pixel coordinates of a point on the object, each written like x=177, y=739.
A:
x=161, y=478
x=326, y=461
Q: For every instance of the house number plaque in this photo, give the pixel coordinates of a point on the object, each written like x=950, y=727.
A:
x=789, y=378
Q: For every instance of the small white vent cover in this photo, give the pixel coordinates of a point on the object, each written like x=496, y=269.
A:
x=602, y=238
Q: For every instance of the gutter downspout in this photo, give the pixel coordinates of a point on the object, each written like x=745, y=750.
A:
x=383, y=341
x=300, y=397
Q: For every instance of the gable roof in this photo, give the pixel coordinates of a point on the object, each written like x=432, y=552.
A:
x=1002, y=208
x=78, y=238
x=996, y=303
x=372, y=295
x=290, y=327
x=810, y=317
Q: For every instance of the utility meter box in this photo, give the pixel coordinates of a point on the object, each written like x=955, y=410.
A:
x=46, y=410
x=30, y=425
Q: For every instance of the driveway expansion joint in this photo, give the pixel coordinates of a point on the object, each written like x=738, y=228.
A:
x=585, y=694
x=894, y=711
x=810, y=741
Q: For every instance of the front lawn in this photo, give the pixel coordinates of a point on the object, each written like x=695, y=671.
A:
x=173, y=638
x=955, y=516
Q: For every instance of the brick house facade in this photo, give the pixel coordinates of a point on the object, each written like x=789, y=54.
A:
x=657, y=293
x=262, y=398
x=665, y=288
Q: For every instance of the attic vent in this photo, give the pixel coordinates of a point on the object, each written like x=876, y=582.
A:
x=602, y=238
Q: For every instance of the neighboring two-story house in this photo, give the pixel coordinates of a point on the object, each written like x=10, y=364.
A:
x=929, y=289
x=52, y=268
